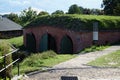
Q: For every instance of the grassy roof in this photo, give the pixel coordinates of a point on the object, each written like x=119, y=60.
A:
x=77, y=22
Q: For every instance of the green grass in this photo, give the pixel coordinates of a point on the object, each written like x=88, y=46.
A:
x=110, y=60
x=94, y=48
x=5, y=49
x=17, y=41
x=77, y=22
x=39, y=60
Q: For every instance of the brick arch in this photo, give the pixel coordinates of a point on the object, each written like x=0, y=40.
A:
x=30, y=42
x=66, y=44
x=47, y=42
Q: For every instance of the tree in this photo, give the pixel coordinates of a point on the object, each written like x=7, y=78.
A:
x=14, y=17
x=27, y=16
x=117, y=9
x=58, y=12
x=81, y=9
x=43, y=13
x=86, y=11
x=74, y=9
x=111, y=7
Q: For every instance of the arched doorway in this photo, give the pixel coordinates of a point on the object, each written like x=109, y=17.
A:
x=47, y=42
x=66, y=45
x=30, y=42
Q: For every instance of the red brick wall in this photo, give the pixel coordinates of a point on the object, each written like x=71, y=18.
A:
x=108, y=37
x=80, y=39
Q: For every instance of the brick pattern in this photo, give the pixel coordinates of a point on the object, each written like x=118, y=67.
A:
x=80, y=39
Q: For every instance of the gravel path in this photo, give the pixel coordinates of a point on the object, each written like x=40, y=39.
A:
x=77, y=67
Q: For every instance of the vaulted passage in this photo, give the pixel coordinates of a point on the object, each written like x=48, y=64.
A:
x=47, y=42
x=66, y=45
x=30, y=42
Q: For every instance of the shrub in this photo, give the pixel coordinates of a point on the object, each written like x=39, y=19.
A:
x=48, y=54
x=4, y=49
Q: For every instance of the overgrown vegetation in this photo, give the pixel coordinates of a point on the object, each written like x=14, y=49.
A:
x=77, y=22
x=5, y=49
x=16, y=41
x=110, y=60
x=39, y=60
x=94, y=48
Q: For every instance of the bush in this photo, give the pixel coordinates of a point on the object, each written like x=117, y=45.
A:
x=48, y=54
x=4, y=49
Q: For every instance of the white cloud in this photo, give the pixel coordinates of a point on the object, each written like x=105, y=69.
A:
x=19, y=2
x=45, y=5
x=37, y=9
x=2, y=13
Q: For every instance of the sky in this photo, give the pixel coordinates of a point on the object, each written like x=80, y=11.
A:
x=16, y=6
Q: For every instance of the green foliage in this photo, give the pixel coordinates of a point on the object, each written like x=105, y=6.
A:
x=16, y=41
x=77, y=22
x=94, y=48
x=74, y=9
x=48, y=54
x=43, y=13
x=27, y=15
x=110, y=60
x=14, y=17
x=58, y=12
x=39, y=60
x=111, y=7
x=4, y=49
x=117, y=9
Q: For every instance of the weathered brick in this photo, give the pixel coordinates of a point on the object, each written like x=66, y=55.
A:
x=80, y=39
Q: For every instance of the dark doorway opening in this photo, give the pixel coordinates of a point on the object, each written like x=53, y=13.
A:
x=66, y=45
x=30, y=42
x=47, y=42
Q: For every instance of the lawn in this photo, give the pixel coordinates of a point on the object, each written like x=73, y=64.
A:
x=17, y=41
x=110, y=60
x=48, y=59
x=39, y=60
x=36, y=61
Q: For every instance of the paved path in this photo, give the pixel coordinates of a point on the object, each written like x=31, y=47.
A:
x=77, y=67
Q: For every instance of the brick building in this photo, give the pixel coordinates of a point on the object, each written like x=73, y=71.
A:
x=63, y=40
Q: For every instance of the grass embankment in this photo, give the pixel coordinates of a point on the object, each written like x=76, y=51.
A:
x=5, y=49
x=17, y=41
x=39, y=60
x=77, y=22
x=110, y=60
x=94, y=48
x=36, y=61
